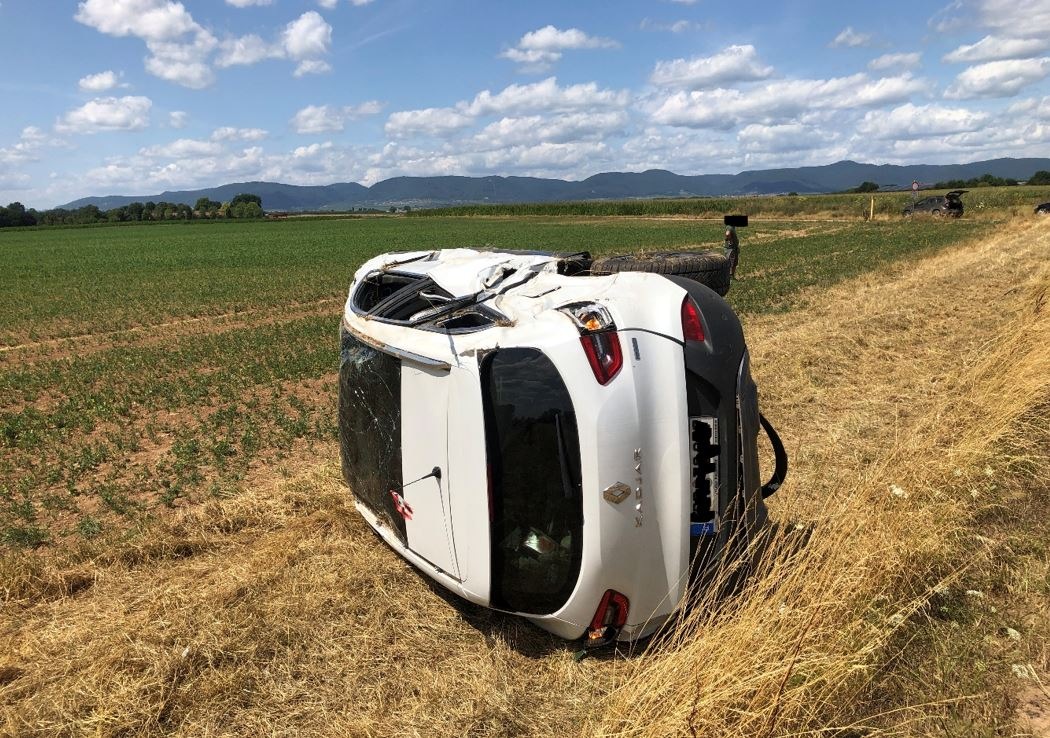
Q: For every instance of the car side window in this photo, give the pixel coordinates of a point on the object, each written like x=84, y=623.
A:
x=537, y=505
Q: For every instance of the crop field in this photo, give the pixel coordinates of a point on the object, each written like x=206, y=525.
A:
x=178, y=554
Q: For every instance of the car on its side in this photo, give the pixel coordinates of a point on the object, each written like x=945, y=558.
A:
x=949, y=204
x=575, y=449
x=1043, y=209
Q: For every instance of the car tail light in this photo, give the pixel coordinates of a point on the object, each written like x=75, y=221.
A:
x=611, y=612
x=598, y=336
x=604, y=354
x=692, y=328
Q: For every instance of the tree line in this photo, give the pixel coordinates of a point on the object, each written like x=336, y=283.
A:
x=244, y=205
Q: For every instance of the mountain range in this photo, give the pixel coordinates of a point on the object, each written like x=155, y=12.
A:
x=422, y=192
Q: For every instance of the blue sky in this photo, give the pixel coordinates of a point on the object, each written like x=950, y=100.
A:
x=142, y=96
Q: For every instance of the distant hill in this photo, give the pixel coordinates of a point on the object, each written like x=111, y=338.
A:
x=439, y=191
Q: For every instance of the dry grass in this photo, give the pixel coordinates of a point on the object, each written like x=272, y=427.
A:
x=278, y=612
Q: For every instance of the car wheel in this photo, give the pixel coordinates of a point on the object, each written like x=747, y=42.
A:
x=937, y=213
x=706, y=267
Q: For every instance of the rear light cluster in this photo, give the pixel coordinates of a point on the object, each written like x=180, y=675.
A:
x=692, y=327
x=609, y=618
x=600, y=341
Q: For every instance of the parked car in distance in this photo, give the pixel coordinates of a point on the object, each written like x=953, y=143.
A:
x=1043, y=209
x=949, y=204
x=575, y=449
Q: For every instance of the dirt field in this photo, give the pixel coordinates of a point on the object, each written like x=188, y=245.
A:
x=904, y=589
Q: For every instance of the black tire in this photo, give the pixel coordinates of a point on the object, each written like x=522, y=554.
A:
x=709, y=268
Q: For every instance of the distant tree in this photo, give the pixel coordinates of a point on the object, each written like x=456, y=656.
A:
x=246, y=197
x=393, y=209
x=135, y=211
x=866, y=187
x=206, y=206
x=15, y=214
x=1042, y=177
x=245, y=209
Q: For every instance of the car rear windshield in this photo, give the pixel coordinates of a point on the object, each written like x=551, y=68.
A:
x=537, y=505
x=370, y=427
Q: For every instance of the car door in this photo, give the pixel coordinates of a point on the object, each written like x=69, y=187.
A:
x=426, y=506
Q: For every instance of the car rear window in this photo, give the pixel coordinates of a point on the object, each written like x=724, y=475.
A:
x=370, y=427
x=537, y=505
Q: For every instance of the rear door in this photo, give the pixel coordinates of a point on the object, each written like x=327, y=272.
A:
x=424, y=447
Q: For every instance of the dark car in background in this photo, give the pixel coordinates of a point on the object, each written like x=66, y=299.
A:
x=949, y=203
x=1043, y=209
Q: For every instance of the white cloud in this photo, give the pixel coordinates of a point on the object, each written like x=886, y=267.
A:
x=129, y=113
x=248, y=3
x=99, y=82
x=178, y=118
x=427, y=122
x=31, y=141
x=246, y=50
x=535, y=129
x=307, y=37
x=181, y=148
x=545, y=95
x=910, y=121
x=781, y=101
x=908, y=60
x=732, y=64
x=998, y=78
x=312, y=66
x=184, y=63
x=229, y=133
x=758, y=138
x=327, y=118
x=155, y=20
x=995, y=48
x=538, y=50
x=1019, y=18
x=848, y=37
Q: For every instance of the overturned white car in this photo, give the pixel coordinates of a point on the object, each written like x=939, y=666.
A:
x=567, y=447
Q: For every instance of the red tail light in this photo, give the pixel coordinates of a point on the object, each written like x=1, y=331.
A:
x=604, y=354
x=692, y=328
x=612, y=611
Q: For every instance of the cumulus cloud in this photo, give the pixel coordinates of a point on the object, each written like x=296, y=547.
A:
x=181, y=149
x=759, y=138
x=178, y=118
x=781, y=100
x=29, y=143
x=535, y=129
x=998, y=78
x=229, y=133
x=248, y=3
x=732, y=64
x=181, y=49
x=328, y=118
x=538, y=50
x=909, y=60
x=99, y=82
x=920, y=121
x=154, y=20
x=427, y=122
x=995, y=48
x=246, y=50
x=129, y=113
x=850, y=38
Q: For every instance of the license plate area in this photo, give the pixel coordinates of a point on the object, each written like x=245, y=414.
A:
x=705, y=451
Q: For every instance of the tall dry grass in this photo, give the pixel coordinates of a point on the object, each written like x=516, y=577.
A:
x=798, y=650
x=279, y=613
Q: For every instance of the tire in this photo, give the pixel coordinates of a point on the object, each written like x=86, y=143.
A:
x=937, y=213
x=709, y=268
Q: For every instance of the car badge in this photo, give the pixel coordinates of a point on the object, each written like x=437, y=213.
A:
x=616, y=493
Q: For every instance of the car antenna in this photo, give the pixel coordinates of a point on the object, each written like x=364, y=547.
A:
x=435, y=472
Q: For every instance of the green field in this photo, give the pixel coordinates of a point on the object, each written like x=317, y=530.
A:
x=147, y=367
